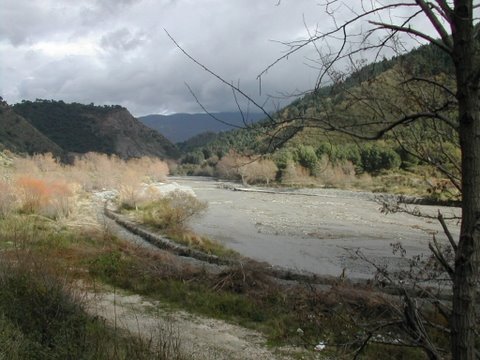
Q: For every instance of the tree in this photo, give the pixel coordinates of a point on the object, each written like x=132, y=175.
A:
x=456, y=34
x=450, y=108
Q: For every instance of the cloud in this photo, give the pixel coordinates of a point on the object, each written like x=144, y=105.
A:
x=116, y=51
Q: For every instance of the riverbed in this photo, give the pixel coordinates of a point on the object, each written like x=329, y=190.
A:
x=313, y=230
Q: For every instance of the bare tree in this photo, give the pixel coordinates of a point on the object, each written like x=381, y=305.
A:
x=453, y=30
x=452, y=108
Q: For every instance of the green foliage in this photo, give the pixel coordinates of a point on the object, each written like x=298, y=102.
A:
x=306, y=156
x=348, y=152
x=196, y=158
x=376, y=158
x=68, y=125
x=282, y=158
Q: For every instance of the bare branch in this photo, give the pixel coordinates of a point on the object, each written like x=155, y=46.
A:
x=246, y=96
x=447, y=11
x=338, y=29
x=409, y=30
x=328, y=125
x=436, y=24
x=447, y=231
x=437, y=252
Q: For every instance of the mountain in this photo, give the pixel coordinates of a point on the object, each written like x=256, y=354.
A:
x=78, y=128
x=18, y=135
x=180, y=127
x=374, y=94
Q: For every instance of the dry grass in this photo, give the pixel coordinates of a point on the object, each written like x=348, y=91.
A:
x=49, y=238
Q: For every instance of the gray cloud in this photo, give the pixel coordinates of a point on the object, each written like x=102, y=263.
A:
x=116, y=52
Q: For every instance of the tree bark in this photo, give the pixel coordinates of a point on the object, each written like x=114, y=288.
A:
x=465, y=282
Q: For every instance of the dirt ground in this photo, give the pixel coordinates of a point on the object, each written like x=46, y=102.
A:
x=198, y=337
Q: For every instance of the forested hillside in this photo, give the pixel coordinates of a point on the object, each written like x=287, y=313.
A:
x=18, y=135
x=312, y=137
x=79, y=128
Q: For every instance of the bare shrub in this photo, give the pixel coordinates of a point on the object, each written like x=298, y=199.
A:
x=296, y=175
x=260, y=171
x=151, y=169
x=97, y=171
x=49, y=198
x=38, y=165
x=249, y=277
x=7, y=198
x=339, y=175
x=250, y=170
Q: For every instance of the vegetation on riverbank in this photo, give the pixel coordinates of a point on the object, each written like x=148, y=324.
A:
x=52, y=246
x=48, y=235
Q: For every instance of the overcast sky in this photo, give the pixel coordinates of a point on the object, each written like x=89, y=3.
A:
x=117, y=52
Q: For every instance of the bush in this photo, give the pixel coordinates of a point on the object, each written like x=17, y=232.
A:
x=282, y=158
x=376, y=158
x=306, y=157
x=7, y=199
x=348, y=152
x=171, y=212
x=260, y=171
x=49, y=198
x=196, y=158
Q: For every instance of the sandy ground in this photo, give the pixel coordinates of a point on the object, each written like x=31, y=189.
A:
x=198, y=337
x=313, y=230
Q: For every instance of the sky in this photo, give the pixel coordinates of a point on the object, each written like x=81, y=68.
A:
x=118, y=52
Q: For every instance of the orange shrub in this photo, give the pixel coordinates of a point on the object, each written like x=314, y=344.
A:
x=48, y=198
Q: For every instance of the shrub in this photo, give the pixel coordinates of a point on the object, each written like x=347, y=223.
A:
x=171, y=212
x=376, y=158
x=231, y=166
x=306, y=157
x=196, y=158
x=49, y=198
x=7, y=198
x=348, y=152
x=282, y=157
x=260, y=171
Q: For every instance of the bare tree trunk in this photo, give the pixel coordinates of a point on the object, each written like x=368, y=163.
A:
x=467, y=257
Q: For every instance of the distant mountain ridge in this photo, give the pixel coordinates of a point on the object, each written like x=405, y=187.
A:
x=65, y=129
x=181, y=127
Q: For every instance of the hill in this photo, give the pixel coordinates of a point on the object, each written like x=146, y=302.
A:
x=18, y=135
x=79, y=128
x=351, y=104
x=181, y=127
x=322, y=137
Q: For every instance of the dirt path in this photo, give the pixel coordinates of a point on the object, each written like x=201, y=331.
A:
x=198, y=337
